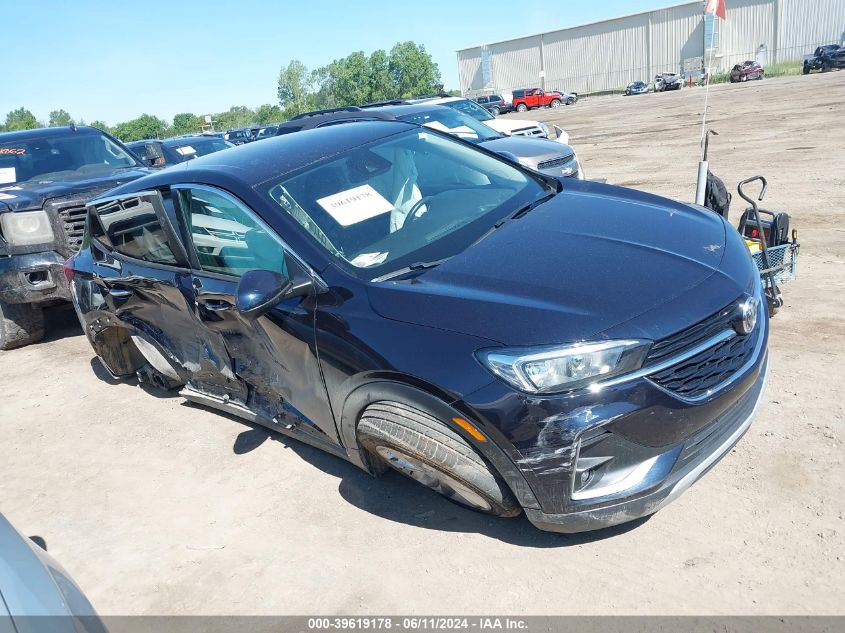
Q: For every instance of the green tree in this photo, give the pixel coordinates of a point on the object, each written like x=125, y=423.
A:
x=59, y=118
x=185, y=123
x=413, y=71
x=234, y=117
x=294, y=88
x=348, y=79
x=381, y=86
x=268, y=113
x=20, y=119
x=101, y=125
x=145, y=126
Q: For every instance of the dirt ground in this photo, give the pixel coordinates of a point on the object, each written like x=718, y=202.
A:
x=158, y=507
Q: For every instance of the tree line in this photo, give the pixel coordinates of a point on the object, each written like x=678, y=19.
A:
x=407, y=70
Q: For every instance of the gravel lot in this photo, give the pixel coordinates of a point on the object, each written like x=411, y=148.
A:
x=158, y=507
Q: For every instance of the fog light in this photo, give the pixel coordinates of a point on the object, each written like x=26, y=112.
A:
x=584, y=477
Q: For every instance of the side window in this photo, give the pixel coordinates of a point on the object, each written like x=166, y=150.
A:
x=130, y=226
x=227, y=239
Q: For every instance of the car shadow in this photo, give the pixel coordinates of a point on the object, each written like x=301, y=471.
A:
x=101, y=373
x=60, y=321
x=397, y=498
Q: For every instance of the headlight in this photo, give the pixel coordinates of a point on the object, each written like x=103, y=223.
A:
x=545, y=129
x=25, y=228
x=570, y=168
x=564, y=368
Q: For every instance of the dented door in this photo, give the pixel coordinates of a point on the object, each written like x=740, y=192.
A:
x=270, y=365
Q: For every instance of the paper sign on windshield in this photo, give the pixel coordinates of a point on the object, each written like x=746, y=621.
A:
x=355, y=205
x=7, y=174
x=186, y=150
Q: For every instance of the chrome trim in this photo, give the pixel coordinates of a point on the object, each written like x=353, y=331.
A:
x=248, y=210
x=723, y=336
x=631, y=479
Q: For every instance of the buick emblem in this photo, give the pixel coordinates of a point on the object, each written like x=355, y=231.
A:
x=748, y=311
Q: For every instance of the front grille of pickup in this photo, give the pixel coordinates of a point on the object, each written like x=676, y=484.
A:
x=698, y=375
x=528, y=131
x=72, y=221
x=555, y=162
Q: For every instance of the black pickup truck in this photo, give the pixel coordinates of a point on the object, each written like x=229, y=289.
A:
x=825, y=58
x=46, y=177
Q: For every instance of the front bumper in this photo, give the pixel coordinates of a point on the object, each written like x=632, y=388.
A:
x=699, y=453
x=33, y=278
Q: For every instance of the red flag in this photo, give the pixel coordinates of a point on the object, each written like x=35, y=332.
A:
x=717, y=7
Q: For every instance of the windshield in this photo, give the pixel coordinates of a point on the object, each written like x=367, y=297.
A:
x=412, y=197
x=471, y=108
x=60, y=157
x=453, y=122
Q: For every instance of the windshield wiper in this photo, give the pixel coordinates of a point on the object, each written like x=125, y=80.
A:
x=411, y=268
x=517, y=214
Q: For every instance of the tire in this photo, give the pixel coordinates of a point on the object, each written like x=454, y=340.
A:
x=20, y=324
x=570, y=101
x=555, y=103
x=522, y=108
x=495, y=111
x=744, y=78
x=826, y=67
x=420, y=447
x=807, y=69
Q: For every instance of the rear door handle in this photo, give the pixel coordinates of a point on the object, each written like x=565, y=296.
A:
x=118, y=293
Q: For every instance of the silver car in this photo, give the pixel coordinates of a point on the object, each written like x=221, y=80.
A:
x=36, y=593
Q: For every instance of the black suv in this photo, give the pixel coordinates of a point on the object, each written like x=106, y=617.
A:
x=46, y=177
x=825, y=58
x=494, y=104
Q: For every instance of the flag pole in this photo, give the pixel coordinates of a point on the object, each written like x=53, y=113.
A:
x=703, y=167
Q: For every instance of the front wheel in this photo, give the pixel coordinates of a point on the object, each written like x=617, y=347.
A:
x=555, y=103
x=806, y=69
x=522, y=108
x=20, y=324
x=422, y=448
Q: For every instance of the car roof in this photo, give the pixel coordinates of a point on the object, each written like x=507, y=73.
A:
x=187, y=140
x=48, y=132
x=254, y=163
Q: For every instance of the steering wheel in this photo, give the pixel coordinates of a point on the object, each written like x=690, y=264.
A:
x=412, y=216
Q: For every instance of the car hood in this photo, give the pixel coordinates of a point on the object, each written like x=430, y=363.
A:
x=594, y=261
x=33, y=194
x=511, y=126
x=529, y=150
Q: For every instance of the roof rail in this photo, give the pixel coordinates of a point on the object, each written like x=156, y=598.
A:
x=389, y=102
x=303, y=115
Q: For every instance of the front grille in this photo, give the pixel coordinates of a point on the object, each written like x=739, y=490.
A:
x=528, y=131
x=555, y=162
x=694, y=335
x=73, y=225
x=698, y=375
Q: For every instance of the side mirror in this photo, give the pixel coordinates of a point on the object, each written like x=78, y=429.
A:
x=260, y=290
x=558, y=131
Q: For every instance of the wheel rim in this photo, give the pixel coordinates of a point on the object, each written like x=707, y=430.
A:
x=432, y=478
x=555, y=104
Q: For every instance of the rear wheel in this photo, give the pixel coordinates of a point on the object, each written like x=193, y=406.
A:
x=826, y=67
x=495, y=111
x=521, y=107
x=20, y=324
x=555, y=103
x=422, y=448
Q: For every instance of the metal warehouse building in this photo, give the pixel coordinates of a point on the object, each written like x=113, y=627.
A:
x=608, y=55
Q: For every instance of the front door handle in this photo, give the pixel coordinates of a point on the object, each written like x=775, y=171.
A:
x=119, y=293
x=216, y=305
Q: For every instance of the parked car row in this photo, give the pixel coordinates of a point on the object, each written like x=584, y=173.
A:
x=524, y=99
x=156, y=153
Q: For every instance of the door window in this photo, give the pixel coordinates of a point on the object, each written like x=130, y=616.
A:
x=226, y=238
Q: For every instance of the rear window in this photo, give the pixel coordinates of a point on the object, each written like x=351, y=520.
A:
x=131, y=227
x=60, y=157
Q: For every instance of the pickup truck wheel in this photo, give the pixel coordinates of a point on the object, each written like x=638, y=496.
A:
x=521, y=107
x=826, y=67
x=555, y=103
x=422, y=448
x=495, y=111
x=20, y=324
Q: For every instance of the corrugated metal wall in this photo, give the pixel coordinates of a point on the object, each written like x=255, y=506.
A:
x=608, y=55
x=805, y=24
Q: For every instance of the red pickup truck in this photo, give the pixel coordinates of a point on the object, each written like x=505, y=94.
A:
x=527, y=98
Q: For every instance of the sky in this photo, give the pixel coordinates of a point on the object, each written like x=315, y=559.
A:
x=113, y=60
